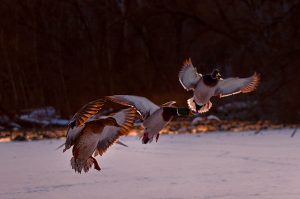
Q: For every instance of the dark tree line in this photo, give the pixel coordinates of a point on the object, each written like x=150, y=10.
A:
x=65, y=53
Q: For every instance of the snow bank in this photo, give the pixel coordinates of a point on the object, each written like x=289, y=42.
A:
x=44, y=116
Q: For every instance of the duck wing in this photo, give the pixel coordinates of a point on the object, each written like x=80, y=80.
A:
x=96, y=127
x=143, y=106
x=125, y=118
x=188, y=75
x=86, y=112
x=232, y=86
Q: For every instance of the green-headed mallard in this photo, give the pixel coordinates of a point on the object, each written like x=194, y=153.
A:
x=154, y=117
x=207, y=86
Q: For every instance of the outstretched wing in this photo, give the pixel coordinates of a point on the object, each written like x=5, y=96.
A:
x=86, y=112
x=232, y=86
x=188, y=76
x=125, y=118
x=143, y=105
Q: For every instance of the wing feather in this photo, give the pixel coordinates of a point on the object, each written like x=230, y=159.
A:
x=188, y=76
x=86, y=112
x=125, y=118
x=232, y=86
x=143, y=106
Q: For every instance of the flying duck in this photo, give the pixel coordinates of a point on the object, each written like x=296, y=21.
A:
x=95, y=136
x=154, y=117
x=207, y=86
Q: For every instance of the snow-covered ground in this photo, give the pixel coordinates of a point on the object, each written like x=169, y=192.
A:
x=204, y=166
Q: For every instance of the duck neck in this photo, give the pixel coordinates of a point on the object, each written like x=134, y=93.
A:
x=169, y=112
x=183, y=111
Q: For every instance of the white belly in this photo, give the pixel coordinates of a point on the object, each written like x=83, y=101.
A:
x=203, y=93
x=155, y=123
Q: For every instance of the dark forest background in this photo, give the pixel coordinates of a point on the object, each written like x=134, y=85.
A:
x=64, y=53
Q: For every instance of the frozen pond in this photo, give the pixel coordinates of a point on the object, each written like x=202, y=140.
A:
x=204, y=166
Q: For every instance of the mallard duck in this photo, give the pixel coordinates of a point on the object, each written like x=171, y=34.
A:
x=95, y=135
x=154, y=117
x=206, y=86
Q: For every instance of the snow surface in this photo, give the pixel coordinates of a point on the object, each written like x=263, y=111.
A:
x=204, y=166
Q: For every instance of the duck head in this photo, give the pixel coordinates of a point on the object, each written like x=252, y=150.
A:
x=216, y=74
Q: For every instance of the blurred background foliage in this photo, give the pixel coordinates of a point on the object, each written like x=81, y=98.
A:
x=64, y=53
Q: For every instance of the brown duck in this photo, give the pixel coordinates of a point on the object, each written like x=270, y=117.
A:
x=95, y=136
